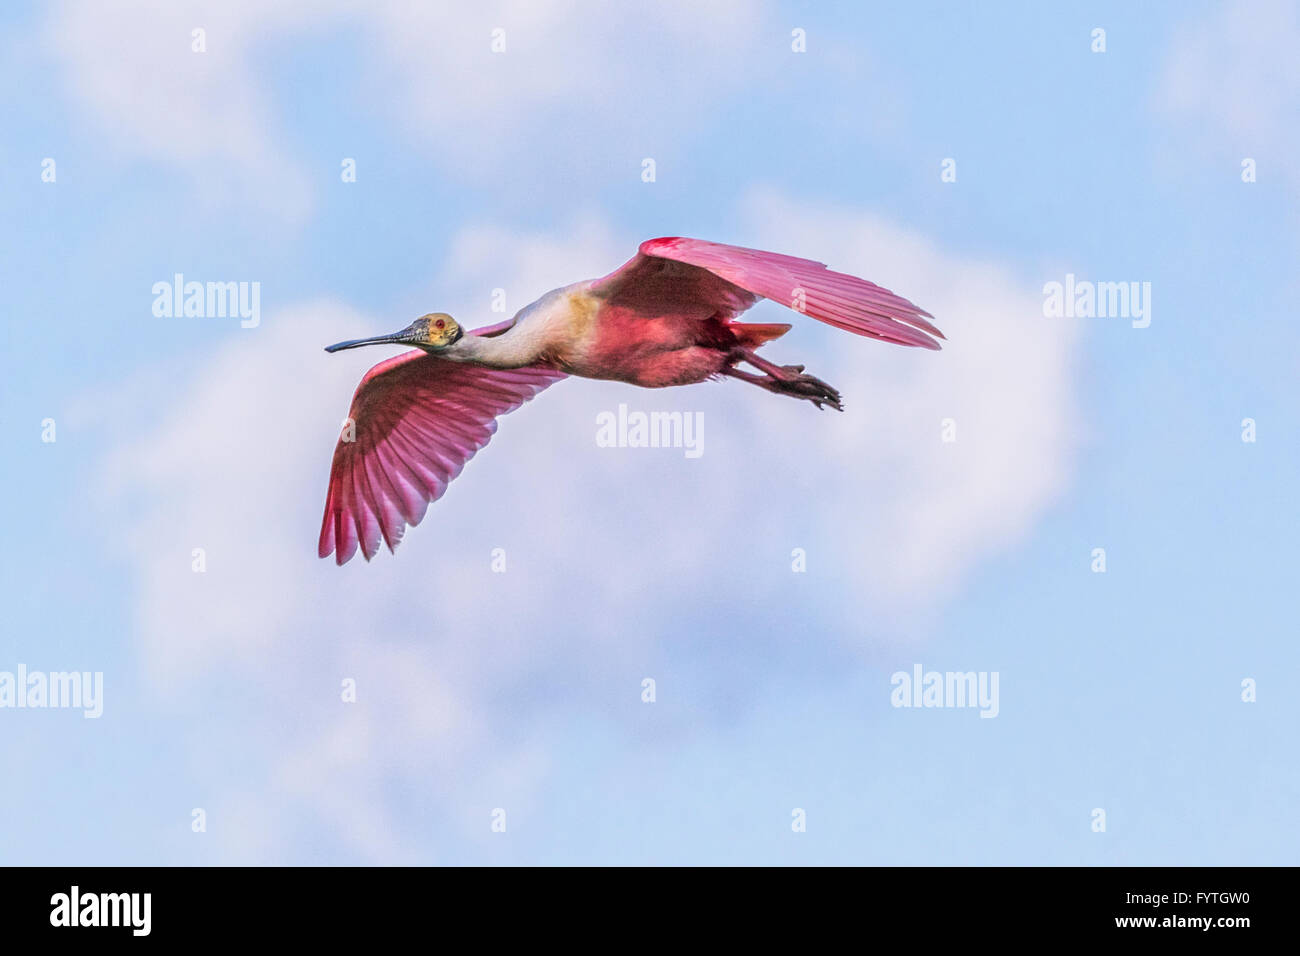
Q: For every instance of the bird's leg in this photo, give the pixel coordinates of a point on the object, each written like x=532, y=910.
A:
x=786, y=380
x=781, y=372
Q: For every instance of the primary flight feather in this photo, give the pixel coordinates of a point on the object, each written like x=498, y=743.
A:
x=667, y=317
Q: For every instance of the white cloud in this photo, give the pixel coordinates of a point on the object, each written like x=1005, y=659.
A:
x=925, y=510
x=572, y=74
x=596, y=539
x=483, y=258
x=578, y=82
x=1231, y=80
x=133, y=68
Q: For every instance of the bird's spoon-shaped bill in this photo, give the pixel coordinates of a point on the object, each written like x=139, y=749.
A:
x=396, y=338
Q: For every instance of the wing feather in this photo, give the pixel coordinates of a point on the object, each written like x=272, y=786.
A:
x=673, y=273
x=417, y=420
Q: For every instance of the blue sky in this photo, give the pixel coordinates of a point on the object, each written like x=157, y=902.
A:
x=522, y=691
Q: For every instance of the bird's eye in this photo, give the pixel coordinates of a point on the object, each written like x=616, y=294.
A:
x=440, y=324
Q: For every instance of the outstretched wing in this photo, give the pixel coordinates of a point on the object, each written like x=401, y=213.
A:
x=415, y=420
x=666, y=273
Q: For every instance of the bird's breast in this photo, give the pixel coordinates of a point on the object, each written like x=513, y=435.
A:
x=606, y=341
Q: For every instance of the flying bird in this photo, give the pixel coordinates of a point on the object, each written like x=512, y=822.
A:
x=667, y=317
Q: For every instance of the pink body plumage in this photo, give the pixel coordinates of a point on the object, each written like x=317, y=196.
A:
x=666, y=317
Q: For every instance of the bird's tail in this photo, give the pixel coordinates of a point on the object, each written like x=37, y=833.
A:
x=751, y=335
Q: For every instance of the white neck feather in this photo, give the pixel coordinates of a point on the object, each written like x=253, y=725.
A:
x=507, y=350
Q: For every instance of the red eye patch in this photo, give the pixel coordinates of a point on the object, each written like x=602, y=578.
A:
x=440, y=324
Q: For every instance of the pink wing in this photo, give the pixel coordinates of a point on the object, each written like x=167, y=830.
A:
x=418, y=419
x=671, y=269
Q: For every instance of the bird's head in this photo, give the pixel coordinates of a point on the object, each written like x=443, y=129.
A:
x=431, y=332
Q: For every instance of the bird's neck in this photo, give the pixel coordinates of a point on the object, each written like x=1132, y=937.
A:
x=510, y=349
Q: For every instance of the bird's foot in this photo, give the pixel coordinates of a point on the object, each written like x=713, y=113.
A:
x=787, y=380
x=810, y=387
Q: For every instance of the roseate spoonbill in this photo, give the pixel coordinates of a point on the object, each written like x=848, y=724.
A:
x=667, y=317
